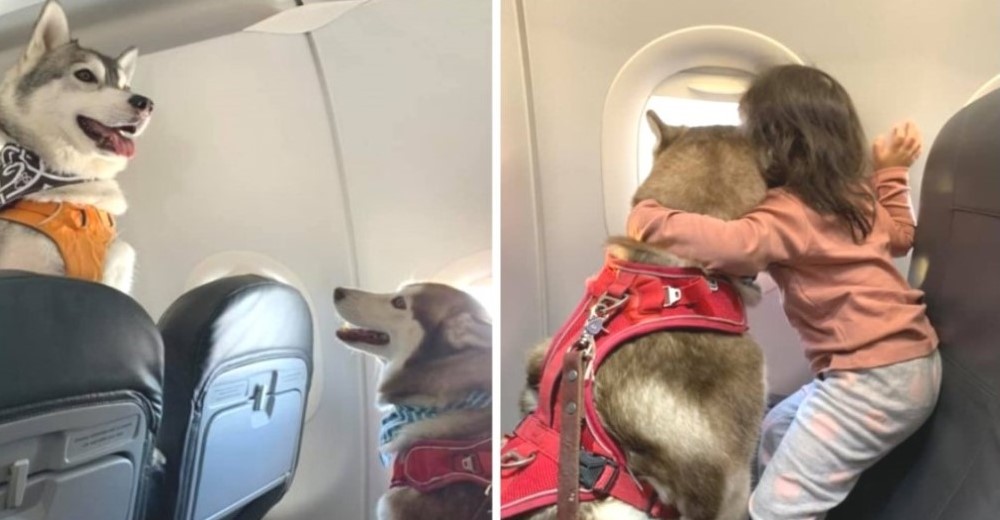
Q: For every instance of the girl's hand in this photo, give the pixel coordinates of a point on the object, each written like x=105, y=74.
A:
x=901, y=148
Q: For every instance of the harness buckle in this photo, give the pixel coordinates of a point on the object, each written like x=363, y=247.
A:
x=593, y=474
x=673, y=295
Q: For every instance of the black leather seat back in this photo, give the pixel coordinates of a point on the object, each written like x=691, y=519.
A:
x=81, y=370
x=239, y=364
x=950, y=468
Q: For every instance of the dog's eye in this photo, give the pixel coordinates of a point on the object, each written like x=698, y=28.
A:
x=85, y=76
x=399, y=302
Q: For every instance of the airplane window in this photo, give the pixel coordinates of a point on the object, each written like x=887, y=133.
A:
x=234, y=263
x=696, y=97
x=707, y=68
x=482, y=290
x=474, y=275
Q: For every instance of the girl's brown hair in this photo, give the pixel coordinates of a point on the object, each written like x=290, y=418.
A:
x=811, y=142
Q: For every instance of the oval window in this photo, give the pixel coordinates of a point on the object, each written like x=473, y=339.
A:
x=474, y=275
x=693, y=76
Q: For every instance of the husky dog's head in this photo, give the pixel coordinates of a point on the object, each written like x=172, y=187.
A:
x=435, y=340
x=710, y=170
x=70, y=105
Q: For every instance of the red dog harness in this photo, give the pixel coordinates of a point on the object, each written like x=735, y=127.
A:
x=623, y=301
x=430, y=465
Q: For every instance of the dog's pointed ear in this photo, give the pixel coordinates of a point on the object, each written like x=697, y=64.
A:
x=468, y=330
x=51, y=31
x=665, y=134
x=126, y=61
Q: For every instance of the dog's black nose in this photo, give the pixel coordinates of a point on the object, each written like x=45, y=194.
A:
x=141, y=102
x=339, y=294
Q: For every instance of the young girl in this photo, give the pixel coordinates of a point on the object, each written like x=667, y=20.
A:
x=826, y=233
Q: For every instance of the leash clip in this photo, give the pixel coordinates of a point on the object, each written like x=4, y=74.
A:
x=605, y=306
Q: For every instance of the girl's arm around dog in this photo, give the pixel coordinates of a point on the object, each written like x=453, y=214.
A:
x=775, y=231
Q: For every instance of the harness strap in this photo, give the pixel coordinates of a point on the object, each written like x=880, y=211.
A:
x=433, y=464
x=569, y=435
x=561, y=455
x=610, y=482
x=82, y=233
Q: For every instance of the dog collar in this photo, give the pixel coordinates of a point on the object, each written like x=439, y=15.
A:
x=22, y=172
x=400, y=416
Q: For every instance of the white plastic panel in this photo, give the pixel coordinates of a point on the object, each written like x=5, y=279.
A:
x=247, y=445
x=73, y=463
x=102, y=490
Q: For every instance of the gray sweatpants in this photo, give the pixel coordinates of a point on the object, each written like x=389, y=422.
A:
x=815, y=444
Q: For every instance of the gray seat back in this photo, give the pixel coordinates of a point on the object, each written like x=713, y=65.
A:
x=950, y=468
x=81, y=368
x=239, y=364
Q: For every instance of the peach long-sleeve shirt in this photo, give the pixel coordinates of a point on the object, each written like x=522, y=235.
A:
x=851, y=307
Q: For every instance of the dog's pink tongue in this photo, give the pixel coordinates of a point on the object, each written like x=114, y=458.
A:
x=122, y=145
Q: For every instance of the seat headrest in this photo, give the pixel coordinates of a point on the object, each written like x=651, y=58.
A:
x=231, y=318
x=957, y=251
x=961, y=179
x=62, y=338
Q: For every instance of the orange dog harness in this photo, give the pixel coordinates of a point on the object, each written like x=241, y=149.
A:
x=81, y=232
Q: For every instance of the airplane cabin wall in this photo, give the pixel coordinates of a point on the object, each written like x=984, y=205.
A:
x=410, y=84
x=898, y=59
x=243, y=155
x=523, y=307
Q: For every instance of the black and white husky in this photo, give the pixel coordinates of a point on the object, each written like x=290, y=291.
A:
x=73, y=108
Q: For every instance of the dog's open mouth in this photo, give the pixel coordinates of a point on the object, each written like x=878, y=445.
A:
x=117, y=140
x=351, y=334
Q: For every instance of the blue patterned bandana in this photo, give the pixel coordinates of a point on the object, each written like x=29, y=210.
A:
x=403, y=415
x=22, y=173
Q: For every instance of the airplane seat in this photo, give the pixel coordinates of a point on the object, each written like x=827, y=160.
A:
x=949, y=469
x=238, y=369
x=81, y=385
